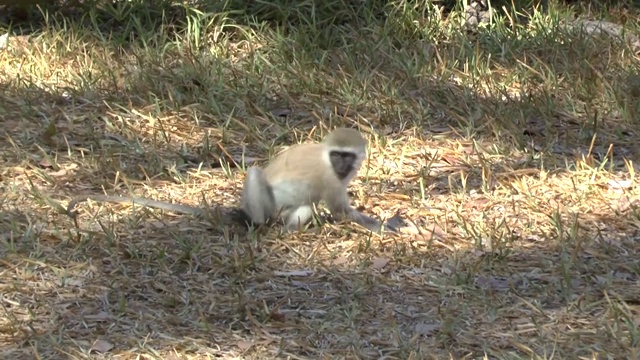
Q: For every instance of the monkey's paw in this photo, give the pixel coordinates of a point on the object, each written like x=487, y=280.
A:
x=396, y=222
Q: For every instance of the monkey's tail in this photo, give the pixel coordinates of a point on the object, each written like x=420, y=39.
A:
x=257, y=197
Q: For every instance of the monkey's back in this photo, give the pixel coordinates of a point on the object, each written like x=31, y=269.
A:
x=300, y=174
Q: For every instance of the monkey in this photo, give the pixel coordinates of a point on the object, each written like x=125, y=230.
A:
x=306, y=174
x=289, y=187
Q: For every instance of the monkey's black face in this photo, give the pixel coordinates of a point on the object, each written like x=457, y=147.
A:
x=343, y=162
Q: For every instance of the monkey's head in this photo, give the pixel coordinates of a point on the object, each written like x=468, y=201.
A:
x=345, y=150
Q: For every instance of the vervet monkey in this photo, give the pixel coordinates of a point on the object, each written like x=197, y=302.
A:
x=304, y=175
x=291, y=185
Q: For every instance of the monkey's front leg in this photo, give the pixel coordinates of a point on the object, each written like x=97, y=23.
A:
x=368, y=222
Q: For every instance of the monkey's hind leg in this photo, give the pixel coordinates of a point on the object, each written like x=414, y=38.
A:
x=295, y=218
x=257, y=197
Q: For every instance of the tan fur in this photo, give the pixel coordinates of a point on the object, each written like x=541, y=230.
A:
x=302, y=177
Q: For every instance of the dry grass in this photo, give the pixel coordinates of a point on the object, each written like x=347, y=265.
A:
x=515, y=146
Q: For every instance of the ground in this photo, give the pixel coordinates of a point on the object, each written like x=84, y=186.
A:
x=510, y=149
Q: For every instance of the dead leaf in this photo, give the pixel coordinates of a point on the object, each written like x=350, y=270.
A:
x=447, y=270
x=426, y=329
x=396, y=196
x=391, y=165
x=293, y=273
x=451, y=160
x=101, y=316
x=478, y=203
x=478, y=252
x=45, y=163
x=102, y=346
x=18, y=170
x=244, y=345
x=340, y=260
x=157, y=224
x=620, y=184
x=436, y=232
x=410, y=229
x=493, y=283
x=440, y=129
x=379, y=263
x=276, y=316
x=78, y=282
x=58, y=173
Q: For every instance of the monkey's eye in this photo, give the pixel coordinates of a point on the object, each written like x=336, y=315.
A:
x=342, y=156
